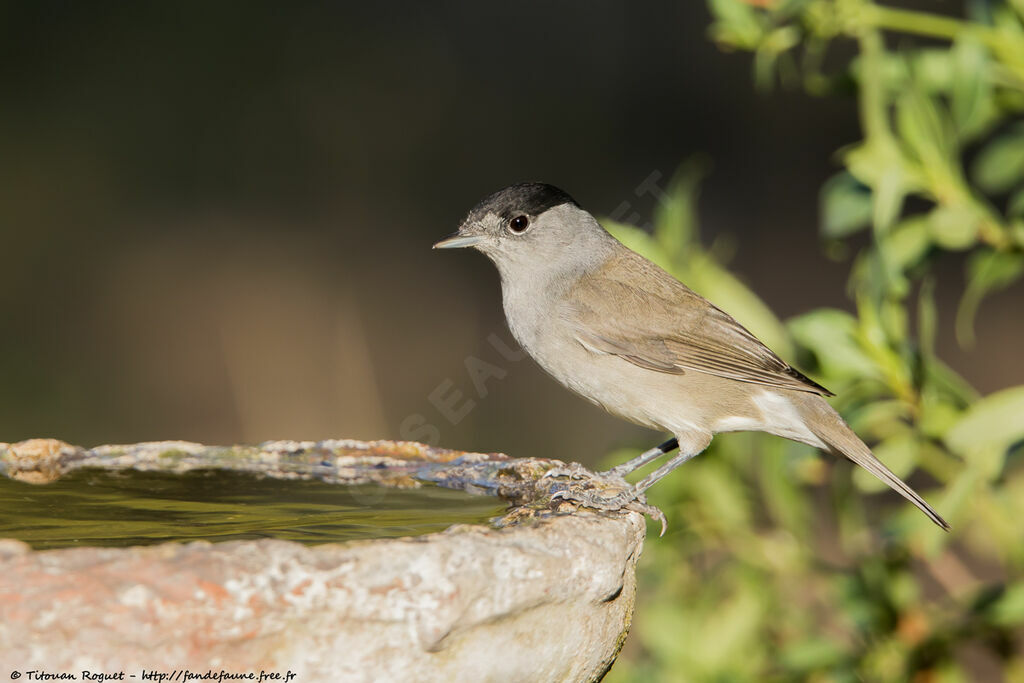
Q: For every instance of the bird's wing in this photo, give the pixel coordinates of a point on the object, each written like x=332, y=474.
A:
x=633, y=309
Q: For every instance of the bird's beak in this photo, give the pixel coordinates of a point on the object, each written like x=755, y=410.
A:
x=457, y=240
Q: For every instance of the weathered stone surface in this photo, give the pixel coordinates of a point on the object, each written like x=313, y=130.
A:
x=548, y=596
x=546, y=600
x=342, y=461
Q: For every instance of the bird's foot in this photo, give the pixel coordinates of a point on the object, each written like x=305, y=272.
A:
x=607, y=491
x=651, y=511
x=572, y=471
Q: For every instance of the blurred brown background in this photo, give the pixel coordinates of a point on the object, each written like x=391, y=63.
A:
x=216, y=218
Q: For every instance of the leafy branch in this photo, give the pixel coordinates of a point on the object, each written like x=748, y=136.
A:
x=758, y=585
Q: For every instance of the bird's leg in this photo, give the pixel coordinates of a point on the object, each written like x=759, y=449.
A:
x=652, y=478
x=574, y=470
x=609, y=491
x=644, y=458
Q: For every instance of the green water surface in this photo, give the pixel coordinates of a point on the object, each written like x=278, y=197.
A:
x=121, y=508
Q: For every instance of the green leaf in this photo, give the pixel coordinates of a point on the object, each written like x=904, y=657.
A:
x=895, y=319
x=1000, y=164
x=880, y=417
x=954, y=227
x=994, y=422
x=953, y=386
x=932, y=69
x=889, y=194
x=994, y=269
x=881, y=165
x=1015, y=207
x=937, y=418
x=874, y=335
x=895, y=252
x=832, y=336
x=812, y=654
x=987, y=271
x=736, y=24
x=923, y=127
x=1009, y=611
x=638, y=240
x=845, y=206
x=972, y=104
x=675, y=219
x=907, y=243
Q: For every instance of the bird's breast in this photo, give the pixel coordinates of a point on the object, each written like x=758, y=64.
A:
x=654, y=400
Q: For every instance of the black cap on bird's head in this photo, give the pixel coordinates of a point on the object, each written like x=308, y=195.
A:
x=531, y=199
x=514, y=205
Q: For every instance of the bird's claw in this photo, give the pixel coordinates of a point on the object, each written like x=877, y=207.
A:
x=617, y=495
x=651, y=511
x=572, y=471
x=595, y=499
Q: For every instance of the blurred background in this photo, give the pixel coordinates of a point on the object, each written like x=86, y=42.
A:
x=217, y=217
x=216, y=222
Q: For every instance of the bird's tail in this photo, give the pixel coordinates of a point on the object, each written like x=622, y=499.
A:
x=825, y=423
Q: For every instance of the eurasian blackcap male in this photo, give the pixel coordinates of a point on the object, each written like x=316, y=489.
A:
x=621, y=332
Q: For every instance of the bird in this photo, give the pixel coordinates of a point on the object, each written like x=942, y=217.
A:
x=618, y=330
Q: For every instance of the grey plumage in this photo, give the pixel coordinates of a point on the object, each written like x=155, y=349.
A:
x=621, y=332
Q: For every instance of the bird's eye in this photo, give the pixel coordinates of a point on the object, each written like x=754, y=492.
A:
x=519, y=224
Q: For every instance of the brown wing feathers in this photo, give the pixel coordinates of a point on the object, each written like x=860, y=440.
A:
x=681, y=331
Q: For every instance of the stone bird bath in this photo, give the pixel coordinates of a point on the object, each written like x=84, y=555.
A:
x=537, y=594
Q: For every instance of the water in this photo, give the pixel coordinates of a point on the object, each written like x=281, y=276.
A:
x=122, y=508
